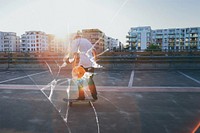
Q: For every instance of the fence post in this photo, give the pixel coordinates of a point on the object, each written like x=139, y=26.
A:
x=8, y=60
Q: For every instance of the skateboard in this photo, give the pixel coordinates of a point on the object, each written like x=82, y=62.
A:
x=71, y=101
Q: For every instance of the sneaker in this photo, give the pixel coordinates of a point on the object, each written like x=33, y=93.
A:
x=95, y=97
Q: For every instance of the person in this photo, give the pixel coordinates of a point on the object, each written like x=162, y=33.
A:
x=81, y=54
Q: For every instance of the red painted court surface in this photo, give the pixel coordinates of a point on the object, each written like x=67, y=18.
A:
x=128, y=102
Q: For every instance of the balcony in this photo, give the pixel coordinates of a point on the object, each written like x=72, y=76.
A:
x=171, y=36
x=193, y=41
x=131, y=41
x=131, y=36
x=194, y=35
x=6, y=46
x=159, y=37
x=171, y=32
x=194, y=30
x=171, y=41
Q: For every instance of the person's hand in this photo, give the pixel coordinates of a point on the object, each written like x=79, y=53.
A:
x=64, y=64
x=67, y=60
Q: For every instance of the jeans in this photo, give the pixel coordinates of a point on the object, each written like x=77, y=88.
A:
x=91, y=85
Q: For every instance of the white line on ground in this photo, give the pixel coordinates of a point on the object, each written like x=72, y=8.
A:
x=21, y=77
x=189, y=77
x=130, y=84
x=108, y=88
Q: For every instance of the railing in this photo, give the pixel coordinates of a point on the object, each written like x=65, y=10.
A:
x=148, y=59
x=119, y=60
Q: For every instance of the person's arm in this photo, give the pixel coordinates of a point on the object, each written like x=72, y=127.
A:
x=73, y=50
x=65, y=60
x=94, y=54
x=71, y=55
x=69, y=58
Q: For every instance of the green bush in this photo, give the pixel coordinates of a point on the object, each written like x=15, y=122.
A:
x=153, y=47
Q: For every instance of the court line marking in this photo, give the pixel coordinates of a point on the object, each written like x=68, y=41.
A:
x=22, y=77
x=108, y=88
x=189, y=77
x=130, y=84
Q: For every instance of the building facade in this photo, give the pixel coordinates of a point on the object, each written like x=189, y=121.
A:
x=139, y=37
x=34, y=41
x=167, y=39
x=96, y=37
x=56, y=45
x=9, y=41
x=112, y=44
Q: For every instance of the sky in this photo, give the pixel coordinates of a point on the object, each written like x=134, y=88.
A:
x=113, y=17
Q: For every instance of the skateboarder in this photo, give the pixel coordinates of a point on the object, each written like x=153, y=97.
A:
x=81, y=53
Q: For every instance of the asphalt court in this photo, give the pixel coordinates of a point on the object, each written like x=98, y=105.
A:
x=132, y=112
x=166, y=78
x=129, y=101
x=110, y=78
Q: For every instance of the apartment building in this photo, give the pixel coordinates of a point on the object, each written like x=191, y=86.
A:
x=139, y=37
x=111, y=43
x=96, y=37
x=51, y=42
x=56, y=44
x=34, y=41
x=99, y=39
x=167, y=39
x=9, y=41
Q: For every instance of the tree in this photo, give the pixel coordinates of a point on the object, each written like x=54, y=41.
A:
x=153, y=47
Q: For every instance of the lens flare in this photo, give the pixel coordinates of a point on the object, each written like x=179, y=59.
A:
x=196, y=128
x=78, y=72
